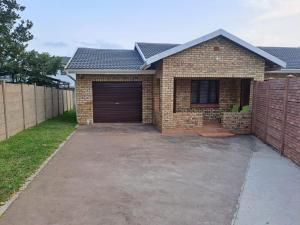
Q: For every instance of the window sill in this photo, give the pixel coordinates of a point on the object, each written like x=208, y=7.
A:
x=205, y=106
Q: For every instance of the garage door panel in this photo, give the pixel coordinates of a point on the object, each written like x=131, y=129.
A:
x=117, y=102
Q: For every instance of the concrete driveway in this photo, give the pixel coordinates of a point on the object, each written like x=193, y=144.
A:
x=131, y=174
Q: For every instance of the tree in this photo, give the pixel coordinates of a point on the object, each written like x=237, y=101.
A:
x=23, y=66
x=14, y=35
x=36, y=66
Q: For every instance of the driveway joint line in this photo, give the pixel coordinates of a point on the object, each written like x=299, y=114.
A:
x=242, y=190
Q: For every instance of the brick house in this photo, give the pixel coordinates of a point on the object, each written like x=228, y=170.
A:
x=168, y=85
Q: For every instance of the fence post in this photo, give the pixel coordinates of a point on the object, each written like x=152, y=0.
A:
x=45, y=102
x=4, y=108
x=285, y=101
x=52, y=103
x=67, y=100
x=63, y=102
x=58, y=112
x=35, y=104
x=23, y=106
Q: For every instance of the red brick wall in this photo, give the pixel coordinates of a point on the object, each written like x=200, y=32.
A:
x=237, y=122
x=188, y=120
x=202, y=61
x=84, y=94
x=229, y=94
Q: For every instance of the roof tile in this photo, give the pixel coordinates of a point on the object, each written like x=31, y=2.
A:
x=288, y=54
x=88, y=58
x=151, y=49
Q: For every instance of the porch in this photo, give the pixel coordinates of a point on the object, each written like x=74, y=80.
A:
x=202, y=105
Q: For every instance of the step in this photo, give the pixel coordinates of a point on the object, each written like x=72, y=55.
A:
x=215, y=134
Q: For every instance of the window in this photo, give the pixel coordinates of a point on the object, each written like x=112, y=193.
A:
x=205, y=91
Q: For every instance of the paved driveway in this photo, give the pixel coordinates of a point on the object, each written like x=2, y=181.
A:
x=130, y=174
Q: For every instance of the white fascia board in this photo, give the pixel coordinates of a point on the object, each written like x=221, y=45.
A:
x=100, y=72
x=140, y=51
x=284, y=71
x=210, y=36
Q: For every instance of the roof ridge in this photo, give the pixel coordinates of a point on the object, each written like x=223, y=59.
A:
x=157, y=43
x=110, y=49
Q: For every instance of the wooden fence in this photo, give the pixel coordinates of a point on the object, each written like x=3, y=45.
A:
x=276, y=115
x=23, y=106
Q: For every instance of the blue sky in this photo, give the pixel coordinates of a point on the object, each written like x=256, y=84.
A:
x=60, y=26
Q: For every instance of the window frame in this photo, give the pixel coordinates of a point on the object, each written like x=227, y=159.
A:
x=198, y=104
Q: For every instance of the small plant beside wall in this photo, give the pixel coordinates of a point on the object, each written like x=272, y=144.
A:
x=238, y=120
x=236, y=108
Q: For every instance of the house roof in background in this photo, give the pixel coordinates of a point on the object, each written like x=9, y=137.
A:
x=288, y=54
x=63, y=78
x=105, y=59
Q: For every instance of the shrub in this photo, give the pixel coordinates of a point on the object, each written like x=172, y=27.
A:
x=235, y=108
x=245, y=108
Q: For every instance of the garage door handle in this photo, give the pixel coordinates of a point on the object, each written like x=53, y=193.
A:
x=117, y=103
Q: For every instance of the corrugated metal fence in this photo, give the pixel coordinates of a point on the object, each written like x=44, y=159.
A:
x=276, y=115
x=23, y=106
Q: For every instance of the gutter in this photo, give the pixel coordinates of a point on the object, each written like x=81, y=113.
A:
x=145, y=66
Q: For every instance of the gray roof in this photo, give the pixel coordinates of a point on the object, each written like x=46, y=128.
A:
x=288, y=54
x=65, y=60
x=63, y=78
x=145, y=54
x=88, y=58
x=151, y=49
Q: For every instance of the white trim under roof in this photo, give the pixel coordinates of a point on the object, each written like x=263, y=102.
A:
x=284, y=71
x=210, y=36
x=107, y=71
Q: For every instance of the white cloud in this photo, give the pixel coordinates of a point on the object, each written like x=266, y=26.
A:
x=272, y=22
x=275, y=9
x=100, y=44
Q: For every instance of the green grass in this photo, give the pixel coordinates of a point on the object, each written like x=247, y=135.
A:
x=22, y=154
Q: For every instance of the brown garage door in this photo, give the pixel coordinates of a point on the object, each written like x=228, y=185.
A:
x=115, y=102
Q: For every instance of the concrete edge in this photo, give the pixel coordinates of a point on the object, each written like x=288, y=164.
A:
x=14, y=197
x=237, y=207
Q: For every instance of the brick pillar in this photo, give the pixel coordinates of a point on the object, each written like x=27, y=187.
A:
x=166, y=91
x=147, y=98
x=251, y=94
